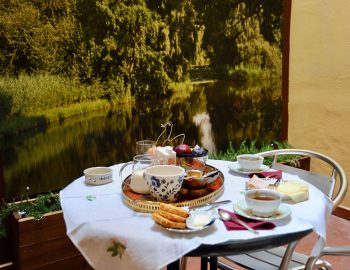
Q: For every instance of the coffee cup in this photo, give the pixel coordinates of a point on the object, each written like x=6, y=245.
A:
x=263, y=203
x=164, y=181
x=250, y=162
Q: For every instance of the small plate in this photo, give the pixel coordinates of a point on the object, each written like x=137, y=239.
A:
x=236, y=168
x=188, y=230
x=209, y=215
x=242, y=209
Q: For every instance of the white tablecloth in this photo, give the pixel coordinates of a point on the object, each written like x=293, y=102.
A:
x=97, y=219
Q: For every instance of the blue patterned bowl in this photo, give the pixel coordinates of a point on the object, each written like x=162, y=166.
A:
x=164, y=181
x=98, y=175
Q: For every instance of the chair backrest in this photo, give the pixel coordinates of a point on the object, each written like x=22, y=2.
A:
x=325, y=184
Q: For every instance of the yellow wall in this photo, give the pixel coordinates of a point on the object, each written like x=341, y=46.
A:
x=319, y=82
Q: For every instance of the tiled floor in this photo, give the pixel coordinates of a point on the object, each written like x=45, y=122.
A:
x=338, y=234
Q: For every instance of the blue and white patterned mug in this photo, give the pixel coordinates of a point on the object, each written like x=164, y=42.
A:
x=164, y=181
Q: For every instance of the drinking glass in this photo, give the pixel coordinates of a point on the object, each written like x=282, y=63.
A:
x=145, y=147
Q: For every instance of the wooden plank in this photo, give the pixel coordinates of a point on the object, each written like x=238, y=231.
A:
x=32, y=256
x=302, y=162
x=74, y=262
x=5, y=251
x=287, y=9
x=49, y=219
x=13, y=225
x=342, y=212
x=43, y=244
x=42, y=233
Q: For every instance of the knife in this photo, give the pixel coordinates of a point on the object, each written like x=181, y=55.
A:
x=213, y=204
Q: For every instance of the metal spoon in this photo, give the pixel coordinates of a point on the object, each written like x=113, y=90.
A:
x=226, y=216
x=210, y=175
x=275, y=184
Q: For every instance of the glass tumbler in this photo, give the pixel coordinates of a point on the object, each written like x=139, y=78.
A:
x=145, y=147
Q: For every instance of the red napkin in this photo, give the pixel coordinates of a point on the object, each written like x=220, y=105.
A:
x=255, y=224
x=271, y=174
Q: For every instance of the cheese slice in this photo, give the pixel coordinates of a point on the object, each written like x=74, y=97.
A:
x=294, y=190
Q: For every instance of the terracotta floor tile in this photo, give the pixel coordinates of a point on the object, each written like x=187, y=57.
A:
x=338, y=233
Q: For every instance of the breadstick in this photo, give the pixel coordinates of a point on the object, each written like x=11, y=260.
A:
x=172, y=216
x=173, y=209
x=167, y=223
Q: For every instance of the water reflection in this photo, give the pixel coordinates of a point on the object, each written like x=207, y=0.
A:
x=210, y=115
x=202, y=120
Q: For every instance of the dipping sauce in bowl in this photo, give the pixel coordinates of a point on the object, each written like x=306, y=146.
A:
x=196, y=174
x=193, y=179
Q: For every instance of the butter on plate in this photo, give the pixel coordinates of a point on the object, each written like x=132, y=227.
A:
x=294, y=190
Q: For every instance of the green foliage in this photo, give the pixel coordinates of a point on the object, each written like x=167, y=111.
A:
x=34, y=94
x=83, y=50
x=238, y=33
x=37, y=100
x=29, y=208
x=34, y=35
x=248, y=74
x=251, y=148
x=202, y=73
x=104, y=40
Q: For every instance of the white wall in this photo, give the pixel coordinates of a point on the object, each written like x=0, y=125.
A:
x=319, y=79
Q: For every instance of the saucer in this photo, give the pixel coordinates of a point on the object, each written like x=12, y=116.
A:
x=242, y=209
x=236, y=168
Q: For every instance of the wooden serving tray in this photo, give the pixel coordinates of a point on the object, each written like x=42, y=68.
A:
x=147, y=204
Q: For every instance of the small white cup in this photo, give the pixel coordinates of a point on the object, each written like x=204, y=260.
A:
x=98, y=175
x=164, y=181
x=263, y=203
x=250, y=162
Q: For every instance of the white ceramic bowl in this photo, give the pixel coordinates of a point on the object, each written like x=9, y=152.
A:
x=164, y=181
x=250, y=162
x=263, y=203
x=98, y=175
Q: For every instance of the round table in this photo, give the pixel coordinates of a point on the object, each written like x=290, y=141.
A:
x=97, y=216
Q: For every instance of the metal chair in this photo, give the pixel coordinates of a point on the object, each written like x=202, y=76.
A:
x=334, y=187
x=334, y=251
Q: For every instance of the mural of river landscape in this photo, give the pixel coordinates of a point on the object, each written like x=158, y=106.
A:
x=213, y=115
x=214, y=69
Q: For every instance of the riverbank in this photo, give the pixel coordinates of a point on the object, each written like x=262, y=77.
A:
x=27, y=102
x=34, y=101
x=20, y=123
x=30, y=101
